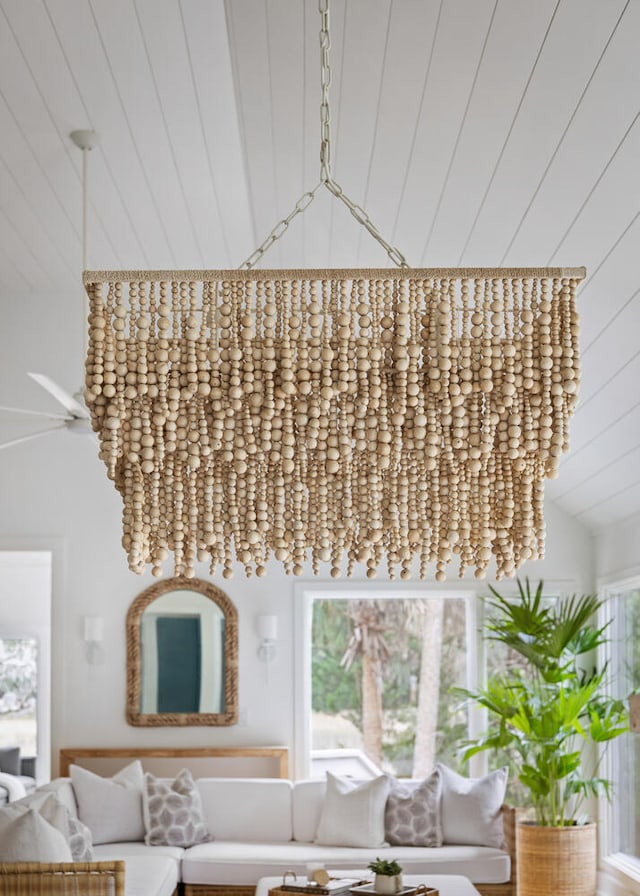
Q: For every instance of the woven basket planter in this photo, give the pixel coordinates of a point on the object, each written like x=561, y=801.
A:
x=556, y=861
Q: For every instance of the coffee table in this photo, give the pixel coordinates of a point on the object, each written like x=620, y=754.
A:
x=446, y=884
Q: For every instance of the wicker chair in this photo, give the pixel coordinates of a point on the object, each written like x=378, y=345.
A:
x=62, y=879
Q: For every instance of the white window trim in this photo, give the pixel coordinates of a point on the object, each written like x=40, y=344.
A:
x=54, y=549
x=304, y=595
x=620, y=873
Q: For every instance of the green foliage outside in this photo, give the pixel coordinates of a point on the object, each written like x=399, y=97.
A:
x=18, y=675
x=332, y=691
x=337, y=691
x=628, y=681
x=18, y=691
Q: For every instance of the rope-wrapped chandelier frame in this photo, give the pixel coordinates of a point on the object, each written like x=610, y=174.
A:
x=343, y=417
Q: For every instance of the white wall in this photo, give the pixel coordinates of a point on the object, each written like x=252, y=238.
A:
x=55, y=490
x=618, y=551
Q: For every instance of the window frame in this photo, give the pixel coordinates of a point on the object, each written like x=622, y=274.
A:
x=49, y=552
x=620, y=871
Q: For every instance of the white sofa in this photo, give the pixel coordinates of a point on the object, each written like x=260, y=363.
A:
x=264, y=827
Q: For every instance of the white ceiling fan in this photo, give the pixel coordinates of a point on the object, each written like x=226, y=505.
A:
x=76, y=418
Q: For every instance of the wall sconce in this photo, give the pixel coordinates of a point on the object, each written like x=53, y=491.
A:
x=268, y=635
x=93, y=636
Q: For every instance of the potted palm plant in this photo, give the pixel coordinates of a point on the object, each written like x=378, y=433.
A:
x=552, y=715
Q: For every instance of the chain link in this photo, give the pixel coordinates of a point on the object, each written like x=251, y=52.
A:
x=325, y=84
x=304, y=202
x=326, y=178
x=363, y=218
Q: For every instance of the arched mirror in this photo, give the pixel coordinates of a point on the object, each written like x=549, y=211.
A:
x=182, y=655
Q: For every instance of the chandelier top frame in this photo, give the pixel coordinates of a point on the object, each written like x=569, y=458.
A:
x=231, y=274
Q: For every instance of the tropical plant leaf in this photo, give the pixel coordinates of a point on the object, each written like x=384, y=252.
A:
x=547, y=713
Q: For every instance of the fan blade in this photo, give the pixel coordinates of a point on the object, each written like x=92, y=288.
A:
x=34, y=413
x=34, y=435
x=67, y=401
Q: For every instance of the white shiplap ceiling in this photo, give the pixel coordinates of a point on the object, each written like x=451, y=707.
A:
x=474, y=132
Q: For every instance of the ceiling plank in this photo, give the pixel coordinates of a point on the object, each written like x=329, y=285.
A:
x=124, y=182
x=171, y=67
x=599, y=124
x=34, y=76
x=247, y=24
x=503, y=79
x=548, y=106
x=607, y=447
x=210, y=59
x=120, y=33
x=456, y=56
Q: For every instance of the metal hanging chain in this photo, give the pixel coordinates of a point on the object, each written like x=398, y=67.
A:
x=326, y=179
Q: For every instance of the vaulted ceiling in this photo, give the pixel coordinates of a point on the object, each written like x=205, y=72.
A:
x=473, y=132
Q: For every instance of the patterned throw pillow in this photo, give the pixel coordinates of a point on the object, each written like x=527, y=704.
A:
x=80, y=840
x=412, y=814
x=173, y=812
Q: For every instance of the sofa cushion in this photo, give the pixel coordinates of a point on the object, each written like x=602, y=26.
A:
x=243, y=864
x=471, y=808
x=307, y=801
x=146, y=873
x=412, y=813
x=110, y=807
x=173, y=811
x=248, y=809
x=28, y=837
x=353, y=812
x=108, y=852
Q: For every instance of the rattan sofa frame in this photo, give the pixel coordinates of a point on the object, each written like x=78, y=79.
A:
x=62, y=879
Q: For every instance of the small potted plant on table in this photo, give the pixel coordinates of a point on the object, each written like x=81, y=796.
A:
x=388, y=876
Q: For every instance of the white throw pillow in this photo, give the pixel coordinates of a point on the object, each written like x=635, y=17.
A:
x=471, y=808
x=48, y=804
x=353, y=812
x=28, y=837
x=110, y=807
x=173, y=812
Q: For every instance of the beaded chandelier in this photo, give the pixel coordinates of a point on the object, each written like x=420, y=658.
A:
x=398, y=416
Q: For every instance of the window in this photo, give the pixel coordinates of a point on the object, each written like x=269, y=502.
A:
x=379, y=667
x=18, y=693
x=623, y=822
x=25, y=653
